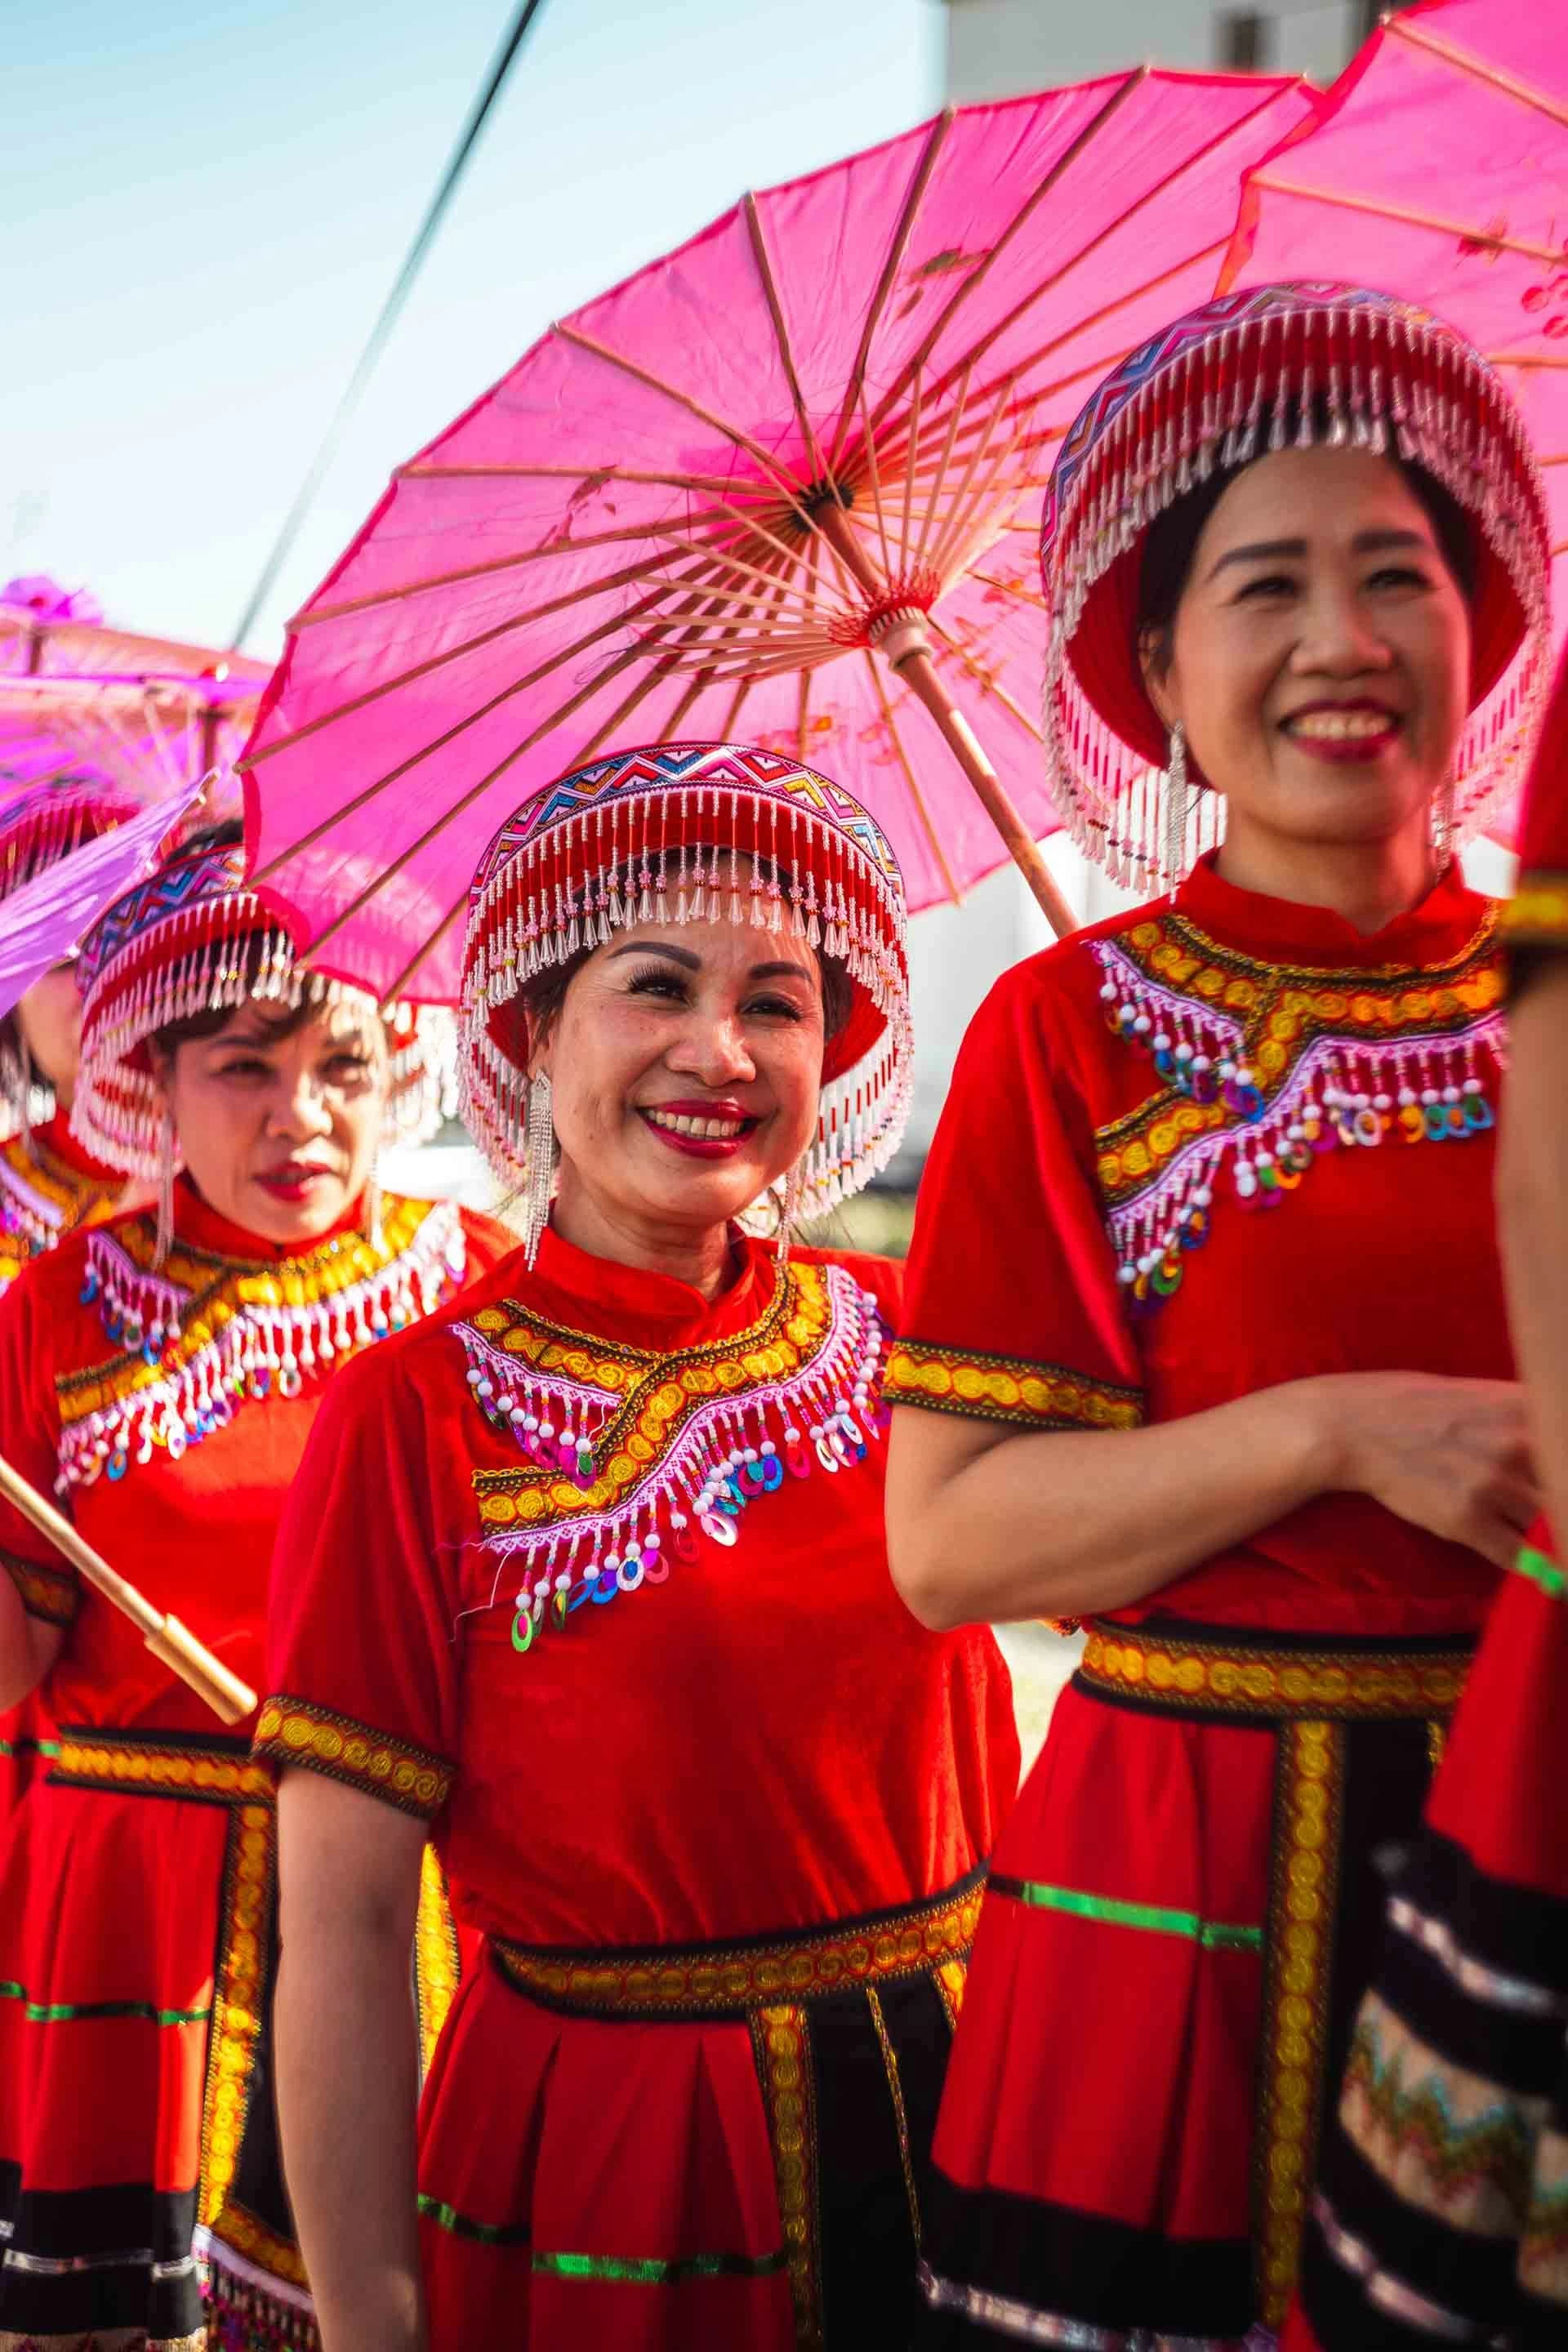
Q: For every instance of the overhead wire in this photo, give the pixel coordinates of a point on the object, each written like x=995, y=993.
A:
x=467, y=138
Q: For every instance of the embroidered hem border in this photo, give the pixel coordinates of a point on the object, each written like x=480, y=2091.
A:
x=51, y=1593
x=1006, y=1388
x=1184, y=1674
x=728, y=1980
x=294, y=1732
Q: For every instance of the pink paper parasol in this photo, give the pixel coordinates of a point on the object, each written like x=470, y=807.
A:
x=152, y=713
x=782, y=486
x=1439, y=173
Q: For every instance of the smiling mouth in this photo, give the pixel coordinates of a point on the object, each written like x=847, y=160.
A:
x=295, y=1178
x=704, y=1130
x=1342, y=726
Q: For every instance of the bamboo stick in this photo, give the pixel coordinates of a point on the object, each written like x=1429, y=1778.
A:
x=213, y=1684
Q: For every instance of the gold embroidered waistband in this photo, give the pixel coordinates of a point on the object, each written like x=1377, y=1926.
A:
x=1182, y=1672
x=730, y=1979
x=135, y=1764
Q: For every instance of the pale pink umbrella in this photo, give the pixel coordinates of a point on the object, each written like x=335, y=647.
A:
x=782, y=486
x=1439, y=173
x=76, y=692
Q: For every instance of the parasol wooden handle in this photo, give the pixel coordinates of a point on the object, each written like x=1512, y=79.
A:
x=229, y=1698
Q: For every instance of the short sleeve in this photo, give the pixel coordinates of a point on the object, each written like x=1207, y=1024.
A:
x=1537, y=914
x=361, y=1662
x=1011, y=1312
x=29, y=1441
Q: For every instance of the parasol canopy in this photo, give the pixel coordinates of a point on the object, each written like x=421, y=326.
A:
x=780, y=487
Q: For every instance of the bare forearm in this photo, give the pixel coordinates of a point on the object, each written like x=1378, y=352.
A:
x=347, y=2095
x=1532, y=1192
x=1064, y=1523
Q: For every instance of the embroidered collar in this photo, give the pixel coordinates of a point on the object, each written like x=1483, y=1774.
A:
x=44, y=1195
x=1268, y=1064
x=212, y=1332
x=628, y=1453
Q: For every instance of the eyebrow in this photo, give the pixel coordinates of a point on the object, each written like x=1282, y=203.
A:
x=1365, y=542
x=785, y=969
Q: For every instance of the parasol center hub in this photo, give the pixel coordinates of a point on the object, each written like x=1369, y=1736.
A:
x=897, y=636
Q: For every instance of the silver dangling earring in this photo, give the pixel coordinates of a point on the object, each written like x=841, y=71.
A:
x=539, y=1155
x=1176, y=805
x=165, y=1233
x=795, y=1192
x=1443, y=822
x=372, y=1212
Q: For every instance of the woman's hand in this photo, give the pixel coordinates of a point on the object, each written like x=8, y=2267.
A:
x=1450, y=1455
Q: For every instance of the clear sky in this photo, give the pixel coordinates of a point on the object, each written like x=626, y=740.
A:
x=206, y=205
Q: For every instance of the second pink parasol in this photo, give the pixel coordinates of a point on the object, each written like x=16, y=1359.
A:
x=781, y=486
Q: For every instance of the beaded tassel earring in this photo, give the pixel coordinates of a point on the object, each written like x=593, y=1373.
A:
x=1443, y=822
x=373, y=1212
x=794, y=1191
x=165, y=1239
x=539, y=1151
x=1176, y=803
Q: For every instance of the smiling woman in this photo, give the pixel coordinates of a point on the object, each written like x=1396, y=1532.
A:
x=719, y=1805
x=1206, y=1345
x=160, y=1375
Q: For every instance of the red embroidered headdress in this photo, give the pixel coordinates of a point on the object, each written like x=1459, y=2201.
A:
x=684, y=832
x=192, y=940
x=1324, y=363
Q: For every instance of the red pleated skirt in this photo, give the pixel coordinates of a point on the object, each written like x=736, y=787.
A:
x=607, y=2161
x=1179, y=1913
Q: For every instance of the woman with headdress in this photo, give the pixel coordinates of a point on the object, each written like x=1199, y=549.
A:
x=619, y=1626
x=160, y=1374
x=1441, y=2210
x=49, y=1185
x=1205, y=1327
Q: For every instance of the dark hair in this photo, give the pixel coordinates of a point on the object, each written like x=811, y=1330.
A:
x=542, y=997
x=1173, y=540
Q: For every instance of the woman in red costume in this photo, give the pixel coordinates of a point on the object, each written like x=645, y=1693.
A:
x=49, y=1185
x=160, y=1375
x=589, y=1575
x=1441, y=2216
x=1205, y=1340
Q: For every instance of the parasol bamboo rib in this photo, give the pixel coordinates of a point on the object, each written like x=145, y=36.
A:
x=1526, y=359
x=918, y=673
x=761, y=256
x=897, y=249
x=786, y=480
x=1451, y=54
x=1339, y=200
x=398, y=986
x=1025, y=213
x=228, y=1697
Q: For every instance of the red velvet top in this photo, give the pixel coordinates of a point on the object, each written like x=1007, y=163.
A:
x=762, y=1740
x=1053, y=1283
x=50, y=1187
x=1537, y=915
x=195, y=1532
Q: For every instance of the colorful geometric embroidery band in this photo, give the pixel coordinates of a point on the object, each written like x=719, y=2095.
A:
x=629, y=1456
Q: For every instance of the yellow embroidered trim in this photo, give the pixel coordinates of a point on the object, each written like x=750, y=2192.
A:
x=51, y=1593
x=730, y=1980
x=780, y=2041
x=1220, y=1677
x=437, y=1961
x=239, y=1998
x=660, y=1394
x=950, y=1980
x=1003, y=1388
x=1284, y=1009
x=238, y=2231
x=1537, y=914
x=40, y=1175
x=291, y=1731
x=144, y=1768
x=1309, y=1804
x=901, y=2116
x=220, y=1288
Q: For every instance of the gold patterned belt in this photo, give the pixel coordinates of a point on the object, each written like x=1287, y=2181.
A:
x=732, y=1980
x=209, y=1770
x=1203, y=1670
